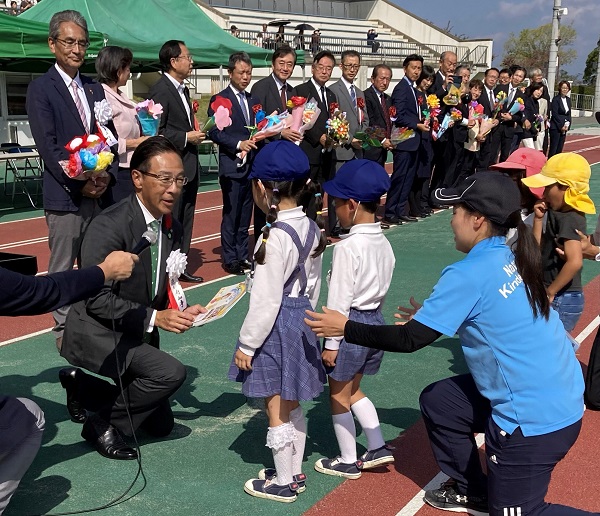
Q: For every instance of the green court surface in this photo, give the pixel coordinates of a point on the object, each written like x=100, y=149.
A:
x=219, y=439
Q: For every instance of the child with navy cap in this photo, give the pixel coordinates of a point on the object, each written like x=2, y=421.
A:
x=361, y=272
x=277, y=356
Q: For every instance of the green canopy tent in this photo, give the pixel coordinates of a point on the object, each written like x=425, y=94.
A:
x=144, y=25
x=24, y=46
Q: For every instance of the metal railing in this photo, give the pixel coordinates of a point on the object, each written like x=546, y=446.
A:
x=580, y=101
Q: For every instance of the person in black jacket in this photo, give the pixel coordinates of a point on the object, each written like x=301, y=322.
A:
x=560, y=118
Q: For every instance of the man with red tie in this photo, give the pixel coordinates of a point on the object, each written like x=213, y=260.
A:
x=378, y=105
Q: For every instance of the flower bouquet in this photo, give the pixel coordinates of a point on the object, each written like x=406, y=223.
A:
x=538, y=123
x=148, y=113
x=370, y=137
x=304, y=114
x=266, y=126
x=221, y=118
x=485, y=126
x=338, y=128
x=392, y=114
x=501, y=99
x=518, y=105
x=449, y=120
x=401, y=134
x=475, y=110
x=90, y=156
x=452, y=98
x=360, y=106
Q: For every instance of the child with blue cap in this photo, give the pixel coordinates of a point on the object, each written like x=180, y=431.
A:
x=277, y=356
x=361, y=272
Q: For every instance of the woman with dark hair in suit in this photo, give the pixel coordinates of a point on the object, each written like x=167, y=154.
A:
x=560, y=118
x=535, y=106
x=113, y=67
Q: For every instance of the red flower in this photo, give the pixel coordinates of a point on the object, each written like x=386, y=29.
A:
x=297, y=101
x=256, y=108
x=333, y=107
x=420, y=101
x=221, y=101
x=392, y=112
x=262, y=123
x=360, y=102
x=168, y=221
x=195, y=106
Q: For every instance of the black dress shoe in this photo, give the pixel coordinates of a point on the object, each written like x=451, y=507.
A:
x=107, y=440
x=234, y=268
x=68, y=379
x=335, y=233
x=391, y=221
x=245, y=264
x=186, y=276
x=407, y=218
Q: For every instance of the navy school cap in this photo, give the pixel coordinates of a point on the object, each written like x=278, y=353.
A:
x=280, y=160
x=359, y=179
x=493, y=194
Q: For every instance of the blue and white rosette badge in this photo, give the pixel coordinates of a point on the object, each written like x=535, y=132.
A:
x=103, y=114
x=176, y=264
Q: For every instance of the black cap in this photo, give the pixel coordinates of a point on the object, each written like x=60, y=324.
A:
x=493, y=194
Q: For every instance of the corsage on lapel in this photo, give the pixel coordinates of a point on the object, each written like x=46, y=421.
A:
x=360, y=104
x=168, y=223
x=176, y=264
x=103, y=114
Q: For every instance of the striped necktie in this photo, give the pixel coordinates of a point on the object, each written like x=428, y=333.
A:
x=79, y=106
x=353, y=95
x=244, y=108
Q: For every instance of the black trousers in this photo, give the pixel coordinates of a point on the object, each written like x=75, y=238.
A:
x=519, y=468
x=151, y=378
x=237, y=214
x=405, y=170
x=592, y=378
x=557, y=142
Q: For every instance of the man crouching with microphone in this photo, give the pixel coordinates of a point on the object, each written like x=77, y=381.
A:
x=115, y=333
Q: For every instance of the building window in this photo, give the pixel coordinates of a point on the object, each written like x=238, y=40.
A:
x=16, y=93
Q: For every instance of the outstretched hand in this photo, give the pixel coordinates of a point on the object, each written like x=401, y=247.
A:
x=330, y=323
x=409, y=313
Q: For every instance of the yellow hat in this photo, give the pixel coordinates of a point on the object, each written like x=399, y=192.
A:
x=567, y=169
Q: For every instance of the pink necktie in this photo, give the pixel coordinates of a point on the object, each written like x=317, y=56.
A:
x=79, y=106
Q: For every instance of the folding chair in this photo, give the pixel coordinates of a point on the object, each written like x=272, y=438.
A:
x=26, y=171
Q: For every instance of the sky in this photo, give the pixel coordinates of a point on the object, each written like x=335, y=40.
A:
x=496, y=19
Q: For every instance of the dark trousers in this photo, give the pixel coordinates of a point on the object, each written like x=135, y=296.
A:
x=184, y=211
x=439, y=165
x=405, y=169
x=151, y=378
x=519, y=468
x=557, y=142
x=319, y=173
x=592, y=378
x=237, y=213
x=506, y=142
x=494, y=140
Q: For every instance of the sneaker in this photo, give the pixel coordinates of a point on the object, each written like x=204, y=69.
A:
x=379, y=457
x=447, y=498
x=271, y=473
x=265, y=489
x=337, y=468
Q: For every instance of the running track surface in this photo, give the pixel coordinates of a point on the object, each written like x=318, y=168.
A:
x=573, y=482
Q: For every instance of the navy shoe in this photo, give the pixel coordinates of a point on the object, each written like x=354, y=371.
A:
x=264, y=489
x=337, y=468
x=271, y=473
x=379, y=457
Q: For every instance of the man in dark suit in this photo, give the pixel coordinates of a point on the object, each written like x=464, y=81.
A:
x=488, y=150
x=233, y=169
x=178, y=124
x=378, y=108
x=22, y=419
x=61, y=106
x=408, y=115
x=135, y=308
x=273, y=92
x=511, y=124
x=316, y=144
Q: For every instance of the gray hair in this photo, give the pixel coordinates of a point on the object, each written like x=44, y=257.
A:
x=67, y=16
x=460, y=68
x=535, y=71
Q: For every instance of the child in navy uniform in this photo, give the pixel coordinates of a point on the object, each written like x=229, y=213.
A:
x=277, y=356
x=361, y=272
x=566, y=179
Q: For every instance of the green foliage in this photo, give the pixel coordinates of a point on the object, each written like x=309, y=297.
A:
x=531, y=47
x=591, y=67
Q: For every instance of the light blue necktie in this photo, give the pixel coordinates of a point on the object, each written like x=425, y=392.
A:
x=244, y=109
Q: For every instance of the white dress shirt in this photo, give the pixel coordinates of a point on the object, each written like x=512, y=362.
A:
x=80, y=92
x=269, y=279
x=361, y=272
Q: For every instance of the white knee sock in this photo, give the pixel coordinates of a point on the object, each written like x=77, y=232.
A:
x=297, y=419
x=366, y=414
x=280, y=439
x=345, y=431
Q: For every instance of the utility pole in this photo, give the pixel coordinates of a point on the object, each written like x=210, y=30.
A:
x=557, y=11
x=597, y=95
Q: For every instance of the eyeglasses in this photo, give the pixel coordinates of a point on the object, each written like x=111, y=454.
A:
x=70, y=43
x=322, y=68
x=188, y=58
x=167, y=180
x=351, y=67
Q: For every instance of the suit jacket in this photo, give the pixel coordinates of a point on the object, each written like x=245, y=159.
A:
x=347, y=152
x=558, y=114
x=54, y=122
x=516, y=125
x=175, y=122
x=228, y=138
x=437, y=88
x=484, y=100
x=407, y=113
x=376, y=119
x=310, y=144
x=268, y=95
x=88, y=339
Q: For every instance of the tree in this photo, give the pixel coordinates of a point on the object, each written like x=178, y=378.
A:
x=591, y=67
x=531, y=48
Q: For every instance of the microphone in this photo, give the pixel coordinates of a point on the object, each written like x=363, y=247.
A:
x=148, y=238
